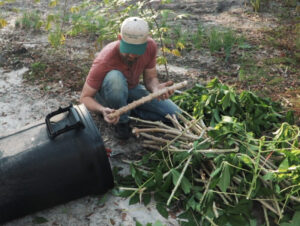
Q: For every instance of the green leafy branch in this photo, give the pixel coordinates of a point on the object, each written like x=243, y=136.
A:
x=217, y=173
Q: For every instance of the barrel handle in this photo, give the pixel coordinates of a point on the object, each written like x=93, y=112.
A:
x=73, y=122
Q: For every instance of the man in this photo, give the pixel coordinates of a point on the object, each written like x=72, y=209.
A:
x=113, y=80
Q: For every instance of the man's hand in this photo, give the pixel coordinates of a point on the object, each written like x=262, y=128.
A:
x=162, y=86
x=106, y=112
x=87, y=98
x=153, y=85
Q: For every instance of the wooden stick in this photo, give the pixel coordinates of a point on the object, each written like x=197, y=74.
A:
x=175, y=122
x=187, y=122
x=151, y=146
x=268, y=206
x=166, y=131
x=157, y=139
x=145, y=99
x=151, y=124
x=209, y=151
x=154, y=142
x=295, y=199
x=266, y=216
x=179, y=179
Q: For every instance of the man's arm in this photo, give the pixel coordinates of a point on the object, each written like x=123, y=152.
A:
x=87, y=98
x=152, y=83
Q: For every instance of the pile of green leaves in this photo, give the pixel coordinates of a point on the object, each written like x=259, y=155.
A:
x=216, y=100
x=224, y=188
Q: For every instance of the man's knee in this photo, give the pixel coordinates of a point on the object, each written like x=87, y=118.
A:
x=114, y=90
x=115, y=82
x=170, y=107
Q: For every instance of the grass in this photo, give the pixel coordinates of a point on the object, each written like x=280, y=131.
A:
x=198, y=37
x=215, y=40
x=255, y=5
x=37, y=70
x=179, y=35
x=56, y=37
x=31, y=20
x=250, y=72
x=223, y=41
x=275, y=81
x=278, y=37
x=229, y=39
x=280, y=60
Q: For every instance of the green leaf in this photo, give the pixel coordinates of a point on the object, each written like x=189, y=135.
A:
x=284, y=165
x=161, y=60
x=224, y=178
x=146, y=199
x=191, y=203
x=287, y=224
x=135, y=199
x=244, y=206
x=237, y=220
x=175, y=176
x=198, y=195
x=216, y=172
x=103, y=199
x=189, y=219
x=162, y=210
x=269, y=176
x=296, y=217
x=136, y=174
x=137, y=223
x=290, y=117
x=158, y=223
x=253, y=222
x=158, y=176
x=39, y=220
x=277, y=189
x=115, y=192
x=161, y=197
x=150, y=184
x=132, y=170
x=226, y=101
x=167, y=184
x=125, y=193
x=216, y=115
x=232, y=110
x=246, y=159
x=232, y=97
x=213, y=83
x=186, y=185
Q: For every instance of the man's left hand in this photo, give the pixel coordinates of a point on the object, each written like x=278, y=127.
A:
x=162, y=86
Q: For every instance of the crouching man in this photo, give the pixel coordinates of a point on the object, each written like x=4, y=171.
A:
x=113, y=80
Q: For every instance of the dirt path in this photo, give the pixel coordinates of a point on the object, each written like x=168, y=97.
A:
x=22, y=103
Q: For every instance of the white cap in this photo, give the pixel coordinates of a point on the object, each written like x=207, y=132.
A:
x=135, y=30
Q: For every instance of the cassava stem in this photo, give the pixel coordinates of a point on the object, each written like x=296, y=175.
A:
x=145, y=99
x=179, y=179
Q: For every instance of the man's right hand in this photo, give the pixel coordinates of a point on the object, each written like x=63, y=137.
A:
x=106, y=112
x=87, y=98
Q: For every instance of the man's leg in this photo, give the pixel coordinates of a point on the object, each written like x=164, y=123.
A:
x=154, y=110
x=114, y=92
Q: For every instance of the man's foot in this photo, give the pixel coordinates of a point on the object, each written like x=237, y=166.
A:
x=123, y=131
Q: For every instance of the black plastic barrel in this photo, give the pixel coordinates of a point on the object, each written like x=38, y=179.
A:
x=52, y=162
